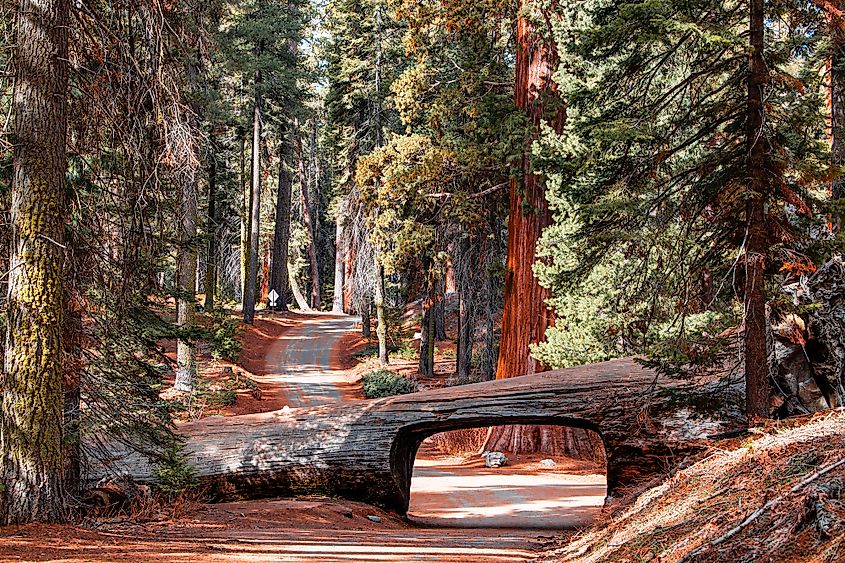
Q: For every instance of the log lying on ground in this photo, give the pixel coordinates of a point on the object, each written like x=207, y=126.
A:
x=365, y=450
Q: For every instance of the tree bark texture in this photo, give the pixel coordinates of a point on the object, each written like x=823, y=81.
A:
x=245, y=207
x=309, y=226
x=381, y=316
x=340, y=253
x=31, y=410
x=526, y=316
x=281, y=236
x=365, y=450
x=837, y=108
x=757, y=245
x=255, y=213
x=211, y=232
x=186, y=282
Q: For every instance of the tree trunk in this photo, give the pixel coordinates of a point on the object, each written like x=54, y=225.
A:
x=31, y=412
x=440, y=310
x=837, y=109
x=756, y=350
x=526, y=317
x=466, y=320
x=339, y=264
x=365, y=450
x=245, y=207
x=255, y=212
x=427, y=341
x=309, y=226
x=366, y=321
x=186, y=282
x=301, y=302
x=211, y=232
x=349, y=256
x=281, y=236
x=381, y=318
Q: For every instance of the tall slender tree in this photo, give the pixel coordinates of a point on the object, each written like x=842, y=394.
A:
x=31, y=411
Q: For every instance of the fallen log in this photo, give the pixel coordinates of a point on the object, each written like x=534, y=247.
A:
x=365, y=450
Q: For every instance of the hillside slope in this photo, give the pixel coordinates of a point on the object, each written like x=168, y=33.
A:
x=778, y=496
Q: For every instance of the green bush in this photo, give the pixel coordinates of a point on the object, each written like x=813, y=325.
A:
x=383, y=383
x=223, y=337
x=173, y=474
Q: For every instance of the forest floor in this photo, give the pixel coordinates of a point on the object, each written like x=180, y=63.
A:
x=293, y=360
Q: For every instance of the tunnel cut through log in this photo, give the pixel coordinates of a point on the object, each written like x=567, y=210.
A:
x=365, y=450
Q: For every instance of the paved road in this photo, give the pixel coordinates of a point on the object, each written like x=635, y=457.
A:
x=303, y=360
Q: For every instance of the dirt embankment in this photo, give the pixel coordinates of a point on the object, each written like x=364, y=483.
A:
x=777, y=495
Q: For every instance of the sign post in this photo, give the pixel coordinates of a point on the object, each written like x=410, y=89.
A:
x=273, y=297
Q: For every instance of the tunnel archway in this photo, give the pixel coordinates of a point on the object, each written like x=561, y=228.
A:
x=408, y=440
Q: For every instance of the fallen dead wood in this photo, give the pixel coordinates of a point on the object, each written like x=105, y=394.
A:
x=365, y=450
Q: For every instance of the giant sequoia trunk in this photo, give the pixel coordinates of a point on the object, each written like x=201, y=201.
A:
x=526, y=316
x=31, y=411
x=757, y=245
x=254, y=214
x=281, y=235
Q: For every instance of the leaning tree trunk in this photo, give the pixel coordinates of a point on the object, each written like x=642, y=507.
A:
x=255, y=212
x=756, y=350
x=31, y=411
x=301, y=302
x=526, y=317
x=281, y=236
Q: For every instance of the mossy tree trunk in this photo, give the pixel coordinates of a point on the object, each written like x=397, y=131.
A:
x=31, y=412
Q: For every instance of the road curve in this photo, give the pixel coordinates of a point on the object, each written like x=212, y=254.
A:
x=302, y=359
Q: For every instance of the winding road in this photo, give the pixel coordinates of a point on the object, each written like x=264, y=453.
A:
x=302, y=360
x=444, y=492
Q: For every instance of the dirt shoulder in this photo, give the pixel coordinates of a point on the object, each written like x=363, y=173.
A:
x=317, y=529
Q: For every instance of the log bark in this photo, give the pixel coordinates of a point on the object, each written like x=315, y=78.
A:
x=365, y=450
x=31, y=408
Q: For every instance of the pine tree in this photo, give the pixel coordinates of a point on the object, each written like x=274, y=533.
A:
x=31, y=412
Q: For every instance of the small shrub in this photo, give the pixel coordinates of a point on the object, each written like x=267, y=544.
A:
x=384, y=383
x=405, y=351
x=224, y=337
x=173, y=473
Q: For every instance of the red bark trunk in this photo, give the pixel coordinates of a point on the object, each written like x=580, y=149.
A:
x=526, y=316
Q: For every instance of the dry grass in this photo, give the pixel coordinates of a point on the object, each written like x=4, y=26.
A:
x=775, y=497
